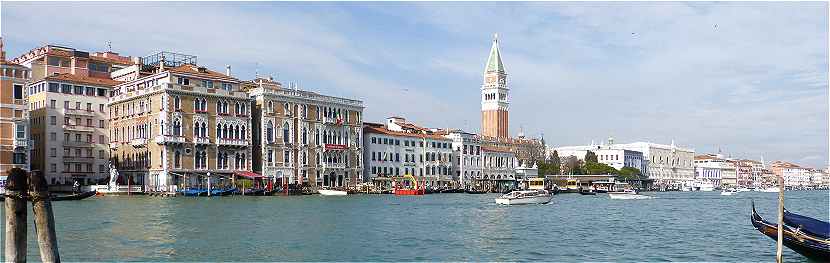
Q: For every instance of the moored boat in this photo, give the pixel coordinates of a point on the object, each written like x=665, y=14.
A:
x=798, y=233
x=772, y=189
x=627, y=194
x=71, y=197
x=331, y=192
x=587, y=192
x=730, y=191
x=524, y=197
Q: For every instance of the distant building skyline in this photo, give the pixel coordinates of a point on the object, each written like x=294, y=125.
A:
x=577, y=72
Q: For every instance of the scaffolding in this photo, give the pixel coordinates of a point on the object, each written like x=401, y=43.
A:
x=170, y=59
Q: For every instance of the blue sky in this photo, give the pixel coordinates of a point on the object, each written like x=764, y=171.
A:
x=748, y=78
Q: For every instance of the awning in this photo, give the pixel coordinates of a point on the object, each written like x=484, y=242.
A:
x=247, y=174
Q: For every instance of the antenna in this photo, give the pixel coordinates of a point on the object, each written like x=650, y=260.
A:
x=109, y=46
x=256, y=70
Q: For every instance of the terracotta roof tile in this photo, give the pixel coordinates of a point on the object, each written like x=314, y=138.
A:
x=382, y=130
x=65, y=77
x=201, y=72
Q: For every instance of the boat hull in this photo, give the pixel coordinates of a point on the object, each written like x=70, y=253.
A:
x=524, y=201
x=804, y=244
x=409, y=191
x=627, y=196
x=332, y=192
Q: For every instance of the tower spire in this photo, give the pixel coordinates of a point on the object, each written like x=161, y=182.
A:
x=494, y=63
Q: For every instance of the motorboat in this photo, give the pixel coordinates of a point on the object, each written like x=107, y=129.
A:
x=525, y=197
x=571, y=186
x=771, y=189
x=730, y=191
x=627, y=194
x=706, y=187
x=331, y=192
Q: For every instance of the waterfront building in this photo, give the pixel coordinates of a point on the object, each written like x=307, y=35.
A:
x=794, y=175
x=14, y=115
x=306, y=139
x=179, y=125
x=53, y=59
x=748, y=172
x=396, y=148
x=69, y=116
x=467, y=156
x=715, y=169
x=499, y=163
x=610, y=154
x=494, y=96
x=668, y=165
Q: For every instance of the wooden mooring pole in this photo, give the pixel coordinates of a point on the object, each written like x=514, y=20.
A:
x=15, y=199
x=44, y=219
x=779, y=245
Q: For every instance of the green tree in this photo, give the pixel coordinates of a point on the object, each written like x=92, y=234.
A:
x=591, y=157
x=555, y=163
x=599, y=168
x=629, y=173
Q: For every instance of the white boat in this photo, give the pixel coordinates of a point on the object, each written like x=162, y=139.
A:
x=706, y=186
x=743, y=189
x=729, y=192
x=772, y=189
x=627, y=194
x=332, y=192
x=525, y=197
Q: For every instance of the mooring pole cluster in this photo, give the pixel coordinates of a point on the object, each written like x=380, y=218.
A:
x=21, y=188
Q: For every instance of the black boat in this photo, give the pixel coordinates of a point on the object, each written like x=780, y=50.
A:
x=797, y=237
x=587, y=192
x=253, y=191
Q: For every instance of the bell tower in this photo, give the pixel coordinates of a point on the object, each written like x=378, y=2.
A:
x=494, y=95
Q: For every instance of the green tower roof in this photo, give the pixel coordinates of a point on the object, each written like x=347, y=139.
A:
x=494, y=60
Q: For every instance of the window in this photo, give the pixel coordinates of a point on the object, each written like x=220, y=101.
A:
x=269, y=131
x=21, y=131
x=53, y=87
x=285, y=109
x=207, y=84
x=177, y=103
x=285, y=133
x=53, y=152
x=102, y=93
x=89, y=91
x=100, y=123
x=18, y=92
x=286, y=157
x=99, y=67
x=53, y=136
x=177, y=159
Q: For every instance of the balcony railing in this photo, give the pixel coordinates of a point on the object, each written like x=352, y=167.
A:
x=334, y=166
x=78, y=128
x=139, y=142
x=201, y=140
x=232, y=142
x=21, y=142
x=78, y=158
x=78, y=112
x=165, y=139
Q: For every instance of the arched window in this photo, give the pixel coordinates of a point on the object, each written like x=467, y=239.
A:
x=305, y=141
x=243, y=135
x=219, y=106
x=270, y=106
x=177, y=127
x=196, y=130
x=225, y=134
x=286, y=109
x=218, y=131
x=204, y=129
x=177, y=103
x=285, y=133
x=269, y=131
x=236, y=132
x=177, y=159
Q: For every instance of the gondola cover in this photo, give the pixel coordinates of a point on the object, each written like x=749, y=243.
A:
x=807, y=224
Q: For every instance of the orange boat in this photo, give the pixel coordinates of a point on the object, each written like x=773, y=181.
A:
x=413, y=189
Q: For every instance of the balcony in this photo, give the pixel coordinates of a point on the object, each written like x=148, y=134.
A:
x=201, y=140
x=138, y=143
x=78, y=112
x=232, y=142
x=21, y=142
x=78, y=158
x=78, y=128
x=114, y=145
x=169, y=139
x=334, y=166
x=335, y=121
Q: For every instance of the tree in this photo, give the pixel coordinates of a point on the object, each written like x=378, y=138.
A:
x=590, y=157
x=571, y=165
x=555, y=163
x=629, y=173
x=599, y=168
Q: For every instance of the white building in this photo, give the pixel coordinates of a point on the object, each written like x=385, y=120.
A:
x=611, y=154
x=467, y=157
x=716, y=170
x=797, y=176
x=667, y=165
x=397, y=148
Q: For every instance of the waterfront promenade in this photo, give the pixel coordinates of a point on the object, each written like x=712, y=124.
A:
x=675, y=226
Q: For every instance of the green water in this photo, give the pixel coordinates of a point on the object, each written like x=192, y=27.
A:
x=676, y=226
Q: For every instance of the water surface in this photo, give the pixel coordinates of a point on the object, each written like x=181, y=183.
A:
x=676, y=226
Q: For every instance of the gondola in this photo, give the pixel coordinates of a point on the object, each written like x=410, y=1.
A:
x=253, y=191
x=798, y=238
x=71, y=197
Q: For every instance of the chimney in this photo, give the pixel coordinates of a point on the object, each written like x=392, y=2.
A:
x=228, y=70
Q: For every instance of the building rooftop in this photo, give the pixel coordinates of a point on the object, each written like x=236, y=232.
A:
x=71, y=78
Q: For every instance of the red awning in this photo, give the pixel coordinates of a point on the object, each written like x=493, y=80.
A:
x=247, y=174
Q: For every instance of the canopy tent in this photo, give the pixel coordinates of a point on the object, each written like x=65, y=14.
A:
x=250, y=175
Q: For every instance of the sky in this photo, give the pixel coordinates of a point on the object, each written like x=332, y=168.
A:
x=747, y=79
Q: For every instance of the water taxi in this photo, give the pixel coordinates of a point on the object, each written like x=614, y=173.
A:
x=525, y=197
x=730, y=191
x=332, y=192
x=625, y=192
x=412, y=189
